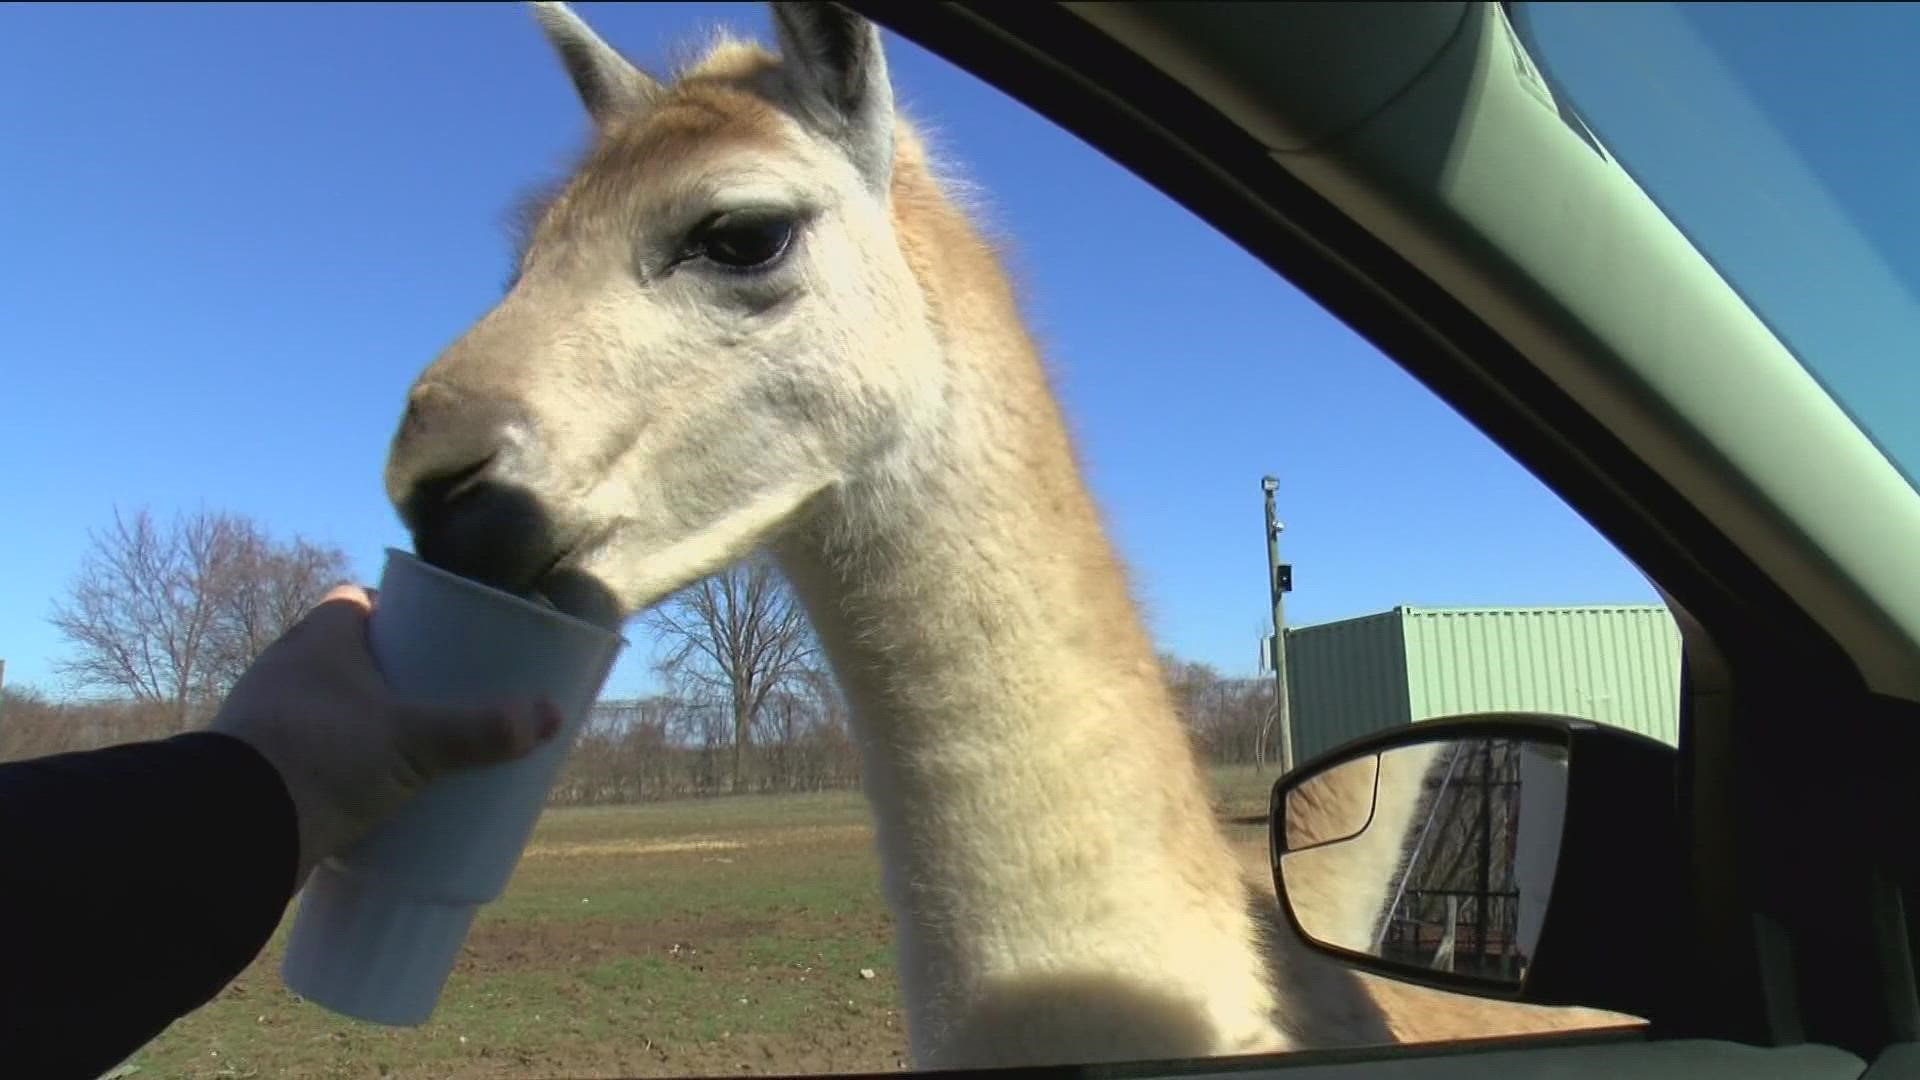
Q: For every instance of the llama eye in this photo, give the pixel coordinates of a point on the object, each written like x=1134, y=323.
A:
x=744, y=239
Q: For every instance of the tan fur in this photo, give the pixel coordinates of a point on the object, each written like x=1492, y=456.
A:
x=1063, y=894
x=875, y=412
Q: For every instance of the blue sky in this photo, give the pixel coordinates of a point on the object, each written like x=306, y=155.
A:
x=236, y=233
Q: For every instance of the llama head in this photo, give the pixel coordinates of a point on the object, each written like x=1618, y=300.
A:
x=710, y=331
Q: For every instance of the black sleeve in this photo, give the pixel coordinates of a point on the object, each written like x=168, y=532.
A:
x=135, y=882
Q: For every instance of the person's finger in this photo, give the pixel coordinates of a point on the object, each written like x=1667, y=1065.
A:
x=345, y=606
x=356, y=595
x=342, y=615
x=343, y=611
x=439, y=738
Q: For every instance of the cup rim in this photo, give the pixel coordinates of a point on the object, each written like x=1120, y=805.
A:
x=502, y=594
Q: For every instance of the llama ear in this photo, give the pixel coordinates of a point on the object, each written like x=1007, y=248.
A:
x=609, y=85
x=838, y=74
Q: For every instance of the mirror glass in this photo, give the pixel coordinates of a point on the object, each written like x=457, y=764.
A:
x=1335, y=805
x=1452, y=861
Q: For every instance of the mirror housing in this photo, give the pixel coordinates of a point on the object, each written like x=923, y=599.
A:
x=1553, y=842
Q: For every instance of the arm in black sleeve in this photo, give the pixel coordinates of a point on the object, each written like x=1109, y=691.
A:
x=135, y=882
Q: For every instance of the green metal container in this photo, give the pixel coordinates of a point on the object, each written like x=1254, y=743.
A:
x=1615, y=664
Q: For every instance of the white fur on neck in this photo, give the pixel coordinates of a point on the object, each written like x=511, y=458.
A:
x=1060, y=890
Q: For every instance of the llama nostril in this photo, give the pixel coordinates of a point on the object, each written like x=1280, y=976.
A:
x=446, y=441
x=433, y=494
x=413, y=419
x=447, y=486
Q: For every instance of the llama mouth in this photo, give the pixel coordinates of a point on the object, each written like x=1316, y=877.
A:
x=526, y=556
x=497, y=534
x=582, y=598
x=569, y=589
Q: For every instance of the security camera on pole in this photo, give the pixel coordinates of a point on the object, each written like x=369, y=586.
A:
x=1279, y=584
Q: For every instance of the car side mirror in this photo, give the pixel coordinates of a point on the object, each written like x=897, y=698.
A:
x=1521, y=856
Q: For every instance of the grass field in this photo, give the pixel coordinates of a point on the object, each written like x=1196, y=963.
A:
x=723, y=936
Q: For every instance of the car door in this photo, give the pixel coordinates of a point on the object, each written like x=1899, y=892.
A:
x=1414, y=168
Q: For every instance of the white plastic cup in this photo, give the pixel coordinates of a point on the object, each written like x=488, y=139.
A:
x=381, y=925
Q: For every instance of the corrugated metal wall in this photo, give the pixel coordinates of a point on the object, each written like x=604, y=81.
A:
x=1344, y=680
x=1614, y=664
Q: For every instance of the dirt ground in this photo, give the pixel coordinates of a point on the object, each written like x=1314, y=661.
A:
x=726, y=936
x=722, y=937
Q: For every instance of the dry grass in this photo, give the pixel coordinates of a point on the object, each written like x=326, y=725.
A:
x=723, y=936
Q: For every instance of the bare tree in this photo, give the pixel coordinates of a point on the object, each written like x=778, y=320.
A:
x=171, y=616
x=738, y=636
x=34, y=724
x=623, y=754
x=823, y=754
x=268, y=588
x=1229, y=717
x=26, y=716
x=141, y=609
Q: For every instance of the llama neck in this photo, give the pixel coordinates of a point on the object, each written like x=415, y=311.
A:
x=1046, y=836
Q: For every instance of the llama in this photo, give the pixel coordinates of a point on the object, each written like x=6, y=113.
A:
x=753, y=318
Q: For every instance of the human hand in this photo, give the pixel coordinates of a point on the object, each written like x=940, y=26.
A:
x=350, y=752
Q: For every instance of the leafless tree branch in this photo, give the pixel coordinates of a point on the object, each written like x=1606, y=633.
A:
x=171, y=616
x=740, y=637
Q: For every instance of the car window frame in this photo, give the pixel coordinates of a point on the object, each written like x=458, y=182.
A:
x=1741, y=630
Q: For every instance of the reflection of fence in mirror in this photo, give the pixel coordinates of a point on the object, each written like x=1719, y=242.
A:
x=1470, y=895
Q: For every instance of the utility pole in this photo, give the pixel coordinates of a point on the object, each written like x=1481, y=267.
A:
x=1279, y=584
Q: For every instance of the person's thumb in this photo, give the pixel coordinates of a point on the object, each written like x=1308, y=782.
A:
x=438, y=738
